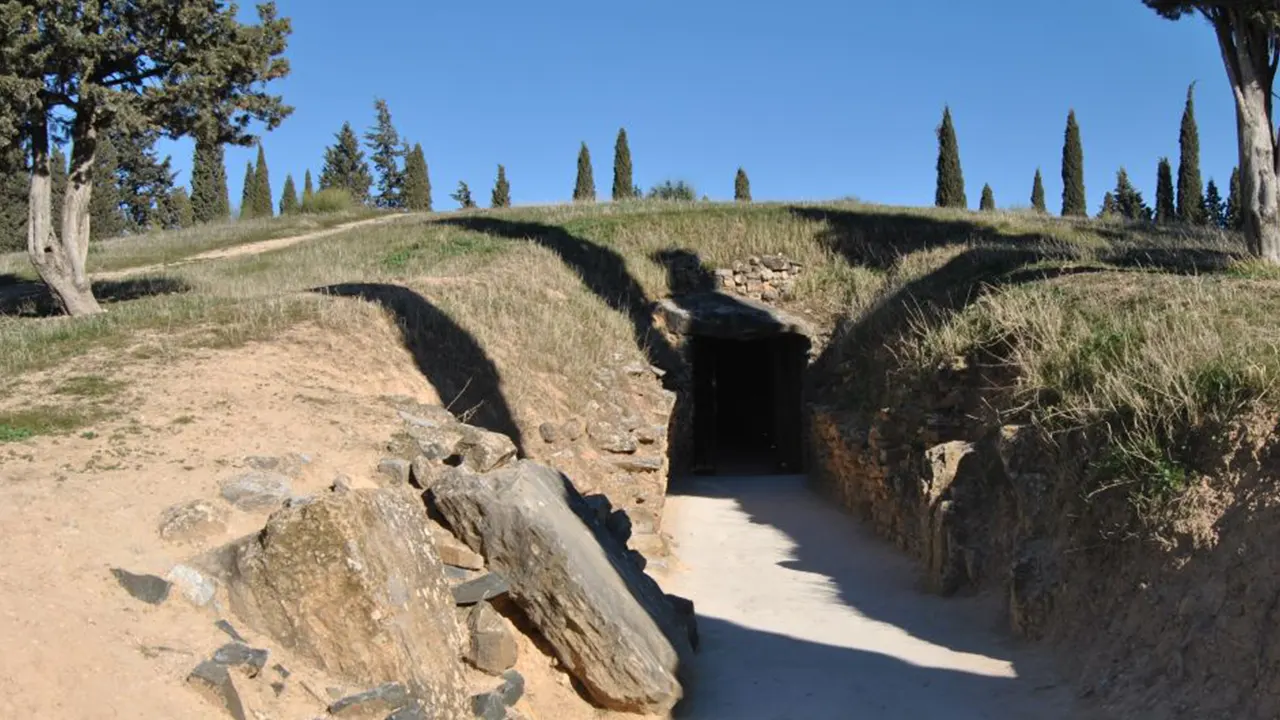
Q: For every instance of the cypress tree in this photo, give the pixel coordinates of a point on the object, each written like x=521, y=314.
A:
x=145, y=182
x=1165, y=211
x=1190, y=196
x=183, y=212
x=950, y=191
x=387, y=153
x=501, y=196
x=1215, y=210
x=289, y=197
x=262, y=187
x=345, y=167
x=584, y=188
x=1235, y=215
x=1073, y=197
x=248, y=196
x=741, y=187
x=1037, y=194
x=417, y=183
x=988, y=201
x=1128, y=199
x=462, y=196
x=58, y=181
x=307, y=188
x=15, y=185
x=623, y=186
x=210, y=201
x=105, y=219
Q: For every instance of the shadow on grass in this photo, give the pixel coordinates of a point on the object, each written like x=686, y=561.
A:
x=462, y=373
x=20, y=297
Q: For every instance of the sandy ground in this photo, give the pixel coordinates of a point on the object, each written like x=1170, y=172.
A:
x=802, y=615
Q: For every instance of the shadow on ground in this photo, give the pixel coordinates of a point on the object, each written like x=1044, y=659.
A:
x=462, y=373
x=20, y=297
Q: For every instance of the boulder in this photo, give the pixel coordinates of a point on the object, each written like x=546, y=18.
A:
x=352, y=582
x=256, y=490
x=192, y=521
x=606, y=621
x=485, y=587
x=395, y=470
x=194, y=585
x=474, y=448
x=550, y=432
x=493, y=646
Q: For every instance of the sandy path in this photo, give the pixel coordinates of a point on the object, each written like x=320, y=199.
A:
x=254, y=248
x=803, y=615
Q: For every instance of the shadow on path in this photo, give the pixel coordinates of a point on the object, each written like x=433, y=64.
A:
x=31, y=298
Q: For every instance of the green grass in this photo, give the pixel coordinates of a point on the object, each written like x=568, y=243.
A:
x=40, y=419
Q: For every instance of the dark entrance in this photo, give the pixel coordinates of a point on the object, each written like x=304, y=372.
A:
x=747, y=408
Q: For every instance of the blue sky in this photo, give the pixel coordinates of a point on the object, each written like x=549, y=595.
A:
x=817, y=99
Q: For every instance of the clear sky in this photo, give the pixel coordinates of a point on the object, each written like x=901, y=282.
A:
x=817, y=99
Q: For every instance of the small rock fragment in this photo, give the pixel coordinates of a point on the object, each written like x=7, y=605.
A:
x=238, y=654
x=290, y=465
x=193, y=584
x=649, y=434
x=489, y=706
x=453, y=551
x=452, y=573
x=378, y=702
x=341, y=484
x=493, y=646
x=257, y=490
x=550, y=432
x=147, y=588
x=611, y=439
x=512, y=688
x=214, y=682
x=639, y=464
x=192, y=521
x=227, y=628
x=394, y=469
x=485, y=587
x=282, y=670
x=574, y=428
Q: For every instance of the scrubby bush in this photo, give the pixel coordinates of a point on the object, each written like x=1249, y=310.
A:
x=678, y=190
x=329, y=200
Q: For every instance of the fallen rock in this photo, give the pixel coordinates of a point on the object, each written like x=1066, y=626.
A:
x=396, y=470
x=512, y=688
x=463, y=445
x=192, y=521
x=639, y=464
x=238, y=654
x=290, y=465
x=194, y=585
x=489, y=706
x=550, y=432
x=493, y=646
x=147, y=588
x=497, y=703
x=574, y=428
x=453, y=551
x=351, y=581
x=486, y=587
x=375, y=703
x=426, y=416
x=257, y=490
x=214, y=682
x=231, y=632
x=607, y=622
x=610, y=438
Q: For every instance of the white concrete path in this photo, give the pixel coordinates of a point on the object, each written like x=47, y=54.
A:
x=803, y=615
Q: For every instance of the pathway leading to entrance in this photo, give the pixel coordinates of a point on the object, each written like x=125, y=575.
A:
x=803, y=615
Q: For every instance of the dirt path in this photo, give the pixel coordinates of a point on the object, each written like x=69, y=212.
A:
x=803, y=615
x=254, y=248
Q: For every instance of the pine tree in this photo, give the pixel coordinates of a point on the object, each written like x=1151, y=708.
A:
x=15, y=184
x=1215, y=210
x=387, y=153
x=1073, y=197
x=623, y=186
x=209, y=199
x=1128, y=199
x=1109, y=207
x=1037, y=194
x=988, y=201
x=183, y=212
x=462, y=196
x=417, y=183
x=950, y=192
x=307, y=188
x=345, y=167
x=58, y=180
x=584, y=189
x=289, y=197
x=501, y=196
x=262, y=187
x=1190, y=191
x=105, y=218
x=1165, y=211
x=248, y=196
x=1235, y=213
x=741, y=187
x=145, y=181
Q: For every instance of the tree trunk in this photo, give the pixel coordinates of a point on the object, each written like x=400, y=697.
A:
x=1249, y=58
x=61, y=261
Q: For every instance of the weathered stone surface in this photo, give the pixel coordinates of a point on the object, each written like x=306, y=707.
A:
x=550, y=432
x=418, y=415
x=375, y=703
x=639, y=463
x=497, y=703
x=611, y=438
x=213, y=681
x=493, y=646
x=147, y=588
x=607, y=622
x=192, y=521
x=194, y=585
x=574, y=428
x=474, y=448
x=453, y=551
x=414, y=711
x=395, y=470
x=290, y=465
x=489, y=706
x=774, y=262
x=257, y=490
x=238, y=654
x=485, y=587
x=721, y=315
x=352, y=582
x=649, y=434
x=512, y=688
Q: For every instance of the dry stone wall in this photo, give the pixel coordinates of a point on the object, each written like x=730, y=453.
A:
x=766, y=277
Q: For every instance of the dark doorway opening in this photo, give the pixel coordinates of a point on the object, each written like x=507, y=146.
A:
x=748, y=404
